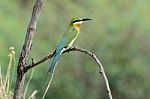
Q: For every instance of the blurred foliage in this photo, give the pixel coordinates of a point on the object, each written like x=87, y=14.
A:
x=119, y=35
x=6, y=81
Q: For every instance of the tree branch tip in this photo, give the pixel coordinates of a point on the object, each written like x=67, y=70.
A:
x=33, y=61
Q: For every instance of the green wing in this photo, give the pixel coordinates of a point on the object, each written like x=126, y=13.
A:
x=70, y=34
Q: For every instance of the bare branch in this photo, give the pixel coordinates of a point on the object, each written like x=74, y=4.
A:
x=99, y=64
x=37, y=9
x=83, y=51
x=38, y=62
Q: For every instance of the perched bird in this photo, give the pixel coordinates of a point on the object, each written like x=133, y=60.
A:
x=67, y=40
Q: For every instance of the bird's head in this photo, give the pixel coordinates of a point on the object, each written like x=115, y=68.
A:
x=76, y=22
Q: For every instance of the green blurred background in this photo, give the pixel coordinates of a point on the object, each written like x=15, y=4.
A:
x=119, y=35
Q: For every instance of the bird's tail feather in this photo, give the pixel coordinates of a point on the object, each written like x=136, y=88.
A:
x=46, y=76
x=54, y=60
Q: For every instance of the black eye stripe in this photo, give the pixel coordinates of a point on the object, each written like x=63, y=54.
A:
x=76, y=21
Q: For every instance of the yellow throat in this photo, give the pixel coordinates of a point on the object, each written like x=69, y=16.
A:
x=77, y=25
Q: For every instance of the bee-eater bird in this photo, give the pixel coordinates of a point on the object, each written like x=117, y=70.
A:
x=67, y=40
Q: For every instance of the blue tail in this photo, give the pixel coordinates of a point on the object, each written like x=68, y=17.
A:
x=54, y=60
x=56, y=56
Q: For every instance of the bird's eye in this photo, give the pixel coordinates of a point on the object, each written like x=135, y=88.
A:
x=74, y=21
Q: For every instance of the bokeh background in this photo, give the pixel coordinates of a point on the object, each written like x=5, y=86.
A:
x=119, y=35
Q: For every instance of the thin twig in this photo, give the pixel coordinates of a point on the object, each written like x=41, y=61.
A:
x=50, y=81
x=38, y=62
x=33, y=94
x=13, y=70
x=24, y=96
x=71, y=49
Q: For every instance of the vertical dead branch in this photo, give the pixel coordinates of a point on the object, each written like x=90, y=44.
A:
x=37, y=9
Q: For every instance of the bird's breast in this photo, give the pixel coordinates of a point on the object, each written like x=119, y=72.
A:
x=72, y=41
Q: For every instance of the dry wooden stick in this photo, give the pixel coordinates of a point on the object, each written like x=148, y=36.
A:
x=71, y=49
x=37, y=9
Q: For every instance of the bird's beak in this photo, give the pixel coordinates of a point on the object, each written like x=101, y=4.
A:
x=85, y=19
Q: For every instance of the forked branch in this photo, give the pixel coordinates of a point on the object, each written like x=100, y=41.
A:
x=37, y=9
